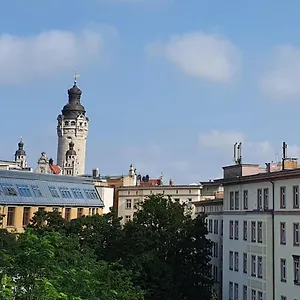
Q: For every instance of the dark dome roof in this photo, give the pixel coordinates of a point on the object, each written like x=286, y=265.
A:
x=20, y=150
x=71, y=150
x=74, y=108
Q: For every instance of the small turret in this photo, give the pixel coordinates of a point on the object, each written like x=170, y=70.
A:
x=20, y=155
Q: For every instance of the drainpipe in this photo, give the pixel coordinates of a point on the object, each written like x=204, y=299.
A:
x=273, y=236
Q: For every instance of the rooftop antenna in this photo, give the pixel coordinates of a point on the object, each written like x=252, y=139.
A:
x=237, y=153
x=284, y=147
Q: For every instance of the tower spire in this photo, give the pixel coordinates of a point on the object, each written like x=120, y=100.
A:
x=75, y=78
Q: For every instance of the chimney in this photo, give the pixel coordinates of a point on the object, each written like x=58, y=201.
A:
x=268, y=167
x=50, y=161
x=171, y=182
x=95, y=173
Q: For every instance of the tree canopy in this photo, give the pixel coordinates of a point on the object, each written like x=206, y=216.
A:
x=162, y=254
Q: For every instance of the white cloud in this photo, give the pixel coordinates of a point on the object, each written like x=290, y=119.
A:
x=220, y=139
x=281, y=80
x=201, y=55
x=24, y=58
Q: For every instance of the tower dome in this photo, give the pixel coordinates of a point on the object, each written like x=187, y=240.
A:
x=20, y=150
x=71, y=150
x=73, y=108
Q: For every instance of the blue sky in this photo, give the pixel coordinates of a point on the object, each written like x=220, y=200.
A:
x=168, y=85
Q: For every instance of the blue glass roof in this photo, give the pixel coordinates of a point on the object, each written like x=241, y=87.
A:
x=33, y=189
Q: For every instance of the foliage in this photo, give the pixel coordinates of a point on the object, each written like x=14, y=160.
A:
x=169, y=251
x=161, y=254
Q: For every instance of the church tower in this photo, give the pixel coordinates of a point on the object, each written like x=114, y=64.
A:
x=72, y=127
x=20, y=155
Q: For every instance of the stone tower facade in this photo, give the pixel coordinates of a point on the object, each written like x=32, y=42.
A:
x=70, y=161
x=20, y=155
x=72, y=127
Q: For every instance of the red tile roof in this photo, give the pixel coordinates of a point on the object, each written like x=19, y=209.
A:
x=55, y=169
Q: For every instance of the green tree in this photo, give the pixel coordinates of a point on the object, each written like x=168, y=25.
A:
x=53, y=266
x=168, y=251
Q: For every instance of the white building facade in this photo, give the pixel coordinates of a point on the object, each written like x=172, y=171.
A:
x=261, y=242
x=128, y=197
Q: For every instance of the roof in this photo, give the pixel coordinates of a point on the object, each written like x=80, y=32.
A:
x=26, y=188
x=173, y=187
x=55, y=169
x=260, y=177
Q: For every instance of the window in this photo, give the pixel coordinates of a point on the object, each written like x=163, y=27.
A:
x=236, y=261
x=260, y=295
x=231, y=200
x=65, y=193
x=296, y=234
x=36, y=191
x=79, y=212
x=210, y=224
x=26, y=216
x=216, y=249
x=282, y=197
x=222, y=223
x=282, y=234
x=216, y=226
x=245, y=230
x=296, y=196
x=236, y=291
x=77, y=193
x=253, y=294
x=53, y=192
x=245, y=199
x=24, y=190
x=266, y=198
x=41, y=209
x=55, y=209
x=230, y=260
x=296, y=269
x=236, y=230
x=9, y=189
x=253, y=265
x=259, y=232
x=283, y=269
x=253, y=231
x=259, y=267
x=128, y=204
x=11, y=216
x=127, y=218
x=231, y=230
x=236, y=200
x=68, y=213
x=230, y=290
x=245, y=263
x=91, y=194
x=259, y=199
x=245, y=292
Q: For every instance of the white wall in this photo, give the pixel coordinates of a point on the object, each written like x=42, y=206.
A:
x=107, y=196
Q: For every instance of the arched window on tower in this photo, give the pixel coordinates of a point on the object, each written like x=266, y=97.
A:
x=73, y=123
x=66, y=123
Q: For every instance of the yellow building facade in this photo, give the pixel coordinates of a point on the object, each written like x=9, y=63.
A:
x=22, y=194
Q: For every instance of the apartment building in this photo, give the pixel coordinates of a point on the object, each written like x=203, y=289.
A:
x=211, y=203
x=129, y=196
x=261, y=242
x=24, y=193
